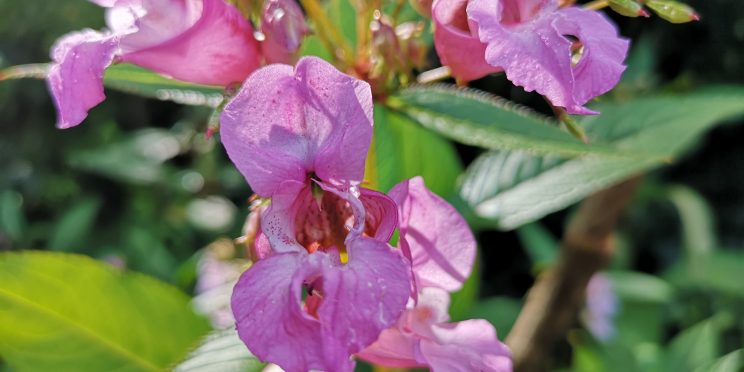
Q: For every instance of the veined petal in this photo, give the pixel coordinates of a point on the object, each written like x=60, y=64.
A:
x=75, y=78
x=536, y=54
x=466, y=346
x=359, y=300
x=287, y=123
x=441, y=245
x=278, y=223
x=218, y=48
x=363, y=297
x=381, y=215
x=457, y=47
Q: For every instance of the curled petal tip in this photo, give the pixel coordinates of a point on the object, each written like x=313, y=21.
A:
x=694, y=17
x=644, y=13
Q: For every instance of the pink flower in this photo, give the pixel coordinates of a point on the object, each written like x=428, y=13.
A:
x=283, y=26
x=442, y=251
x=602, y=305
x=300, y=137
x=568, y=55
x=199, y=41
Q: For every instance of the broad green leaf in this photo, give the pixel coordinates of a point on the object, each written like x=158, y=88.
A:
x=136, y=80
x=463, y=301
x=639, y=287
x=720, y=271
x=221, y=351
x=695, y=347
x=514, y=188
x=401, y=150
x=74, y=226
x=502, y=312
x=64, y=312
x=480, y=119
x=139, y=81
x=731, y=362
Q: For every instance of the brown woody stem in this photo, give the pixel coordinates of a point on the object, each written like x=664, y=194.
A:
x=555, y=300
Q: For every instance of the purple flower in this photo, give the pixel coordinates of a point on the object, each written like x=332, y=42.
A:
x=601, y=308
x=442, y=251
x=199, y=41
x=300, y=137
x=568, y=55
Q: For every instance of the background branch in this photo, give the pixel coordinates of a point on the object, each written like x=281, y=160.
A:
x=554, y=301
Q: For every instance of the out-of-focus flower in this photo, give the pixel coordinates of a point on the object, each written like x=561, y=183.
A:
x=218, y=270
x=569, y=55
x=300, y=137
x=602, y=306
x=441, y=250
x=199, y=41
x=283, y=27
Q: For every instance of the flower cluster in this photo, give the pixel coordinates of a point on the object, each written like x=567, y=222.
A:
x=326, y=284
x=199, y=41
x=569, y=55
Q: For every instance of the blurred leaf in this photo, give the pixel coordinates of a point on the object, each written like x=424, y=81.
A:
x=146, y=253
x=731, y=362
x=63, y=312
x=12, y=220
x=541, y=246
x=635, y=286
x=720, y=271
x=480, y=119
x=698, y=233
x=590, y=356
x=135, y=80
x=343, y=15
x=515, y=188
x=72, y=229
x=401, y=150
x=462, y=301
x=221, y=351
x=502, y=312
x=136, y=159
x=694, y=347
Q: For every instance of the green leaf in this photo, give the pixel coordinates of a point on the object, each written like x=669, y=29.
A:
x=731, y=362
x=12, y=219
x=73, y=228
x=639, y=287
x=64, y=312
x=720, y=271
x=401, y=150
x=139, y=81
x=480, y=119
x=514, y=188
x=502, y=312
x=221, y=351
x=541, y=246
x=694, y=347
x=698, y=232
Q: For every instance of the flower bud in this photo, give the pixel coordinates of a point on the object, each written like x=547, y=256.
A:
x=386, y=51
x=283, y=27
x=673, y=11
x=628, y=8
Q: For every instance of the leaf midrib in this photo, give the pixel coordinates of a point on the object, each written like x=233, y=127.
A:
x=84, y=331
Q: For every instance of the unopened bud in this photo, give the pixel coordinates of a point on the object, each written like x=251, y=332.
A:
x=673, y=11
x=628, y=8
x=283, y=27
x=409, y=37
x=386, y=52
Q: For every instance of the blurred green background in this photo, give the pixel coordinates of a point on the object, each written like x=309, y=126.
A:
x=140, y=186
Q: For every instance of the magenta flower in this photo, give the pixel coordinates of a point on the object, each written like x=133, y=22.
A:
x=199, y=41
x=300, y=137
x=283, y=27
x=568, y=55
x=442, y=251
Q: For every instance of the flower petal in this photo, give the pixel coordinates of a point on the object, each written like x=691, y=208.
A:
x=381, y=215
x=218, y=48
x=278, y=223
x=457, y=47
x=466, y=346
x=441, y=245
x=393, y=349
x=285, y=124
x=270, y=321
x=536, y=55
x=601, y=65
x=75, y=78
x=283, y=25
x=363, y=297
